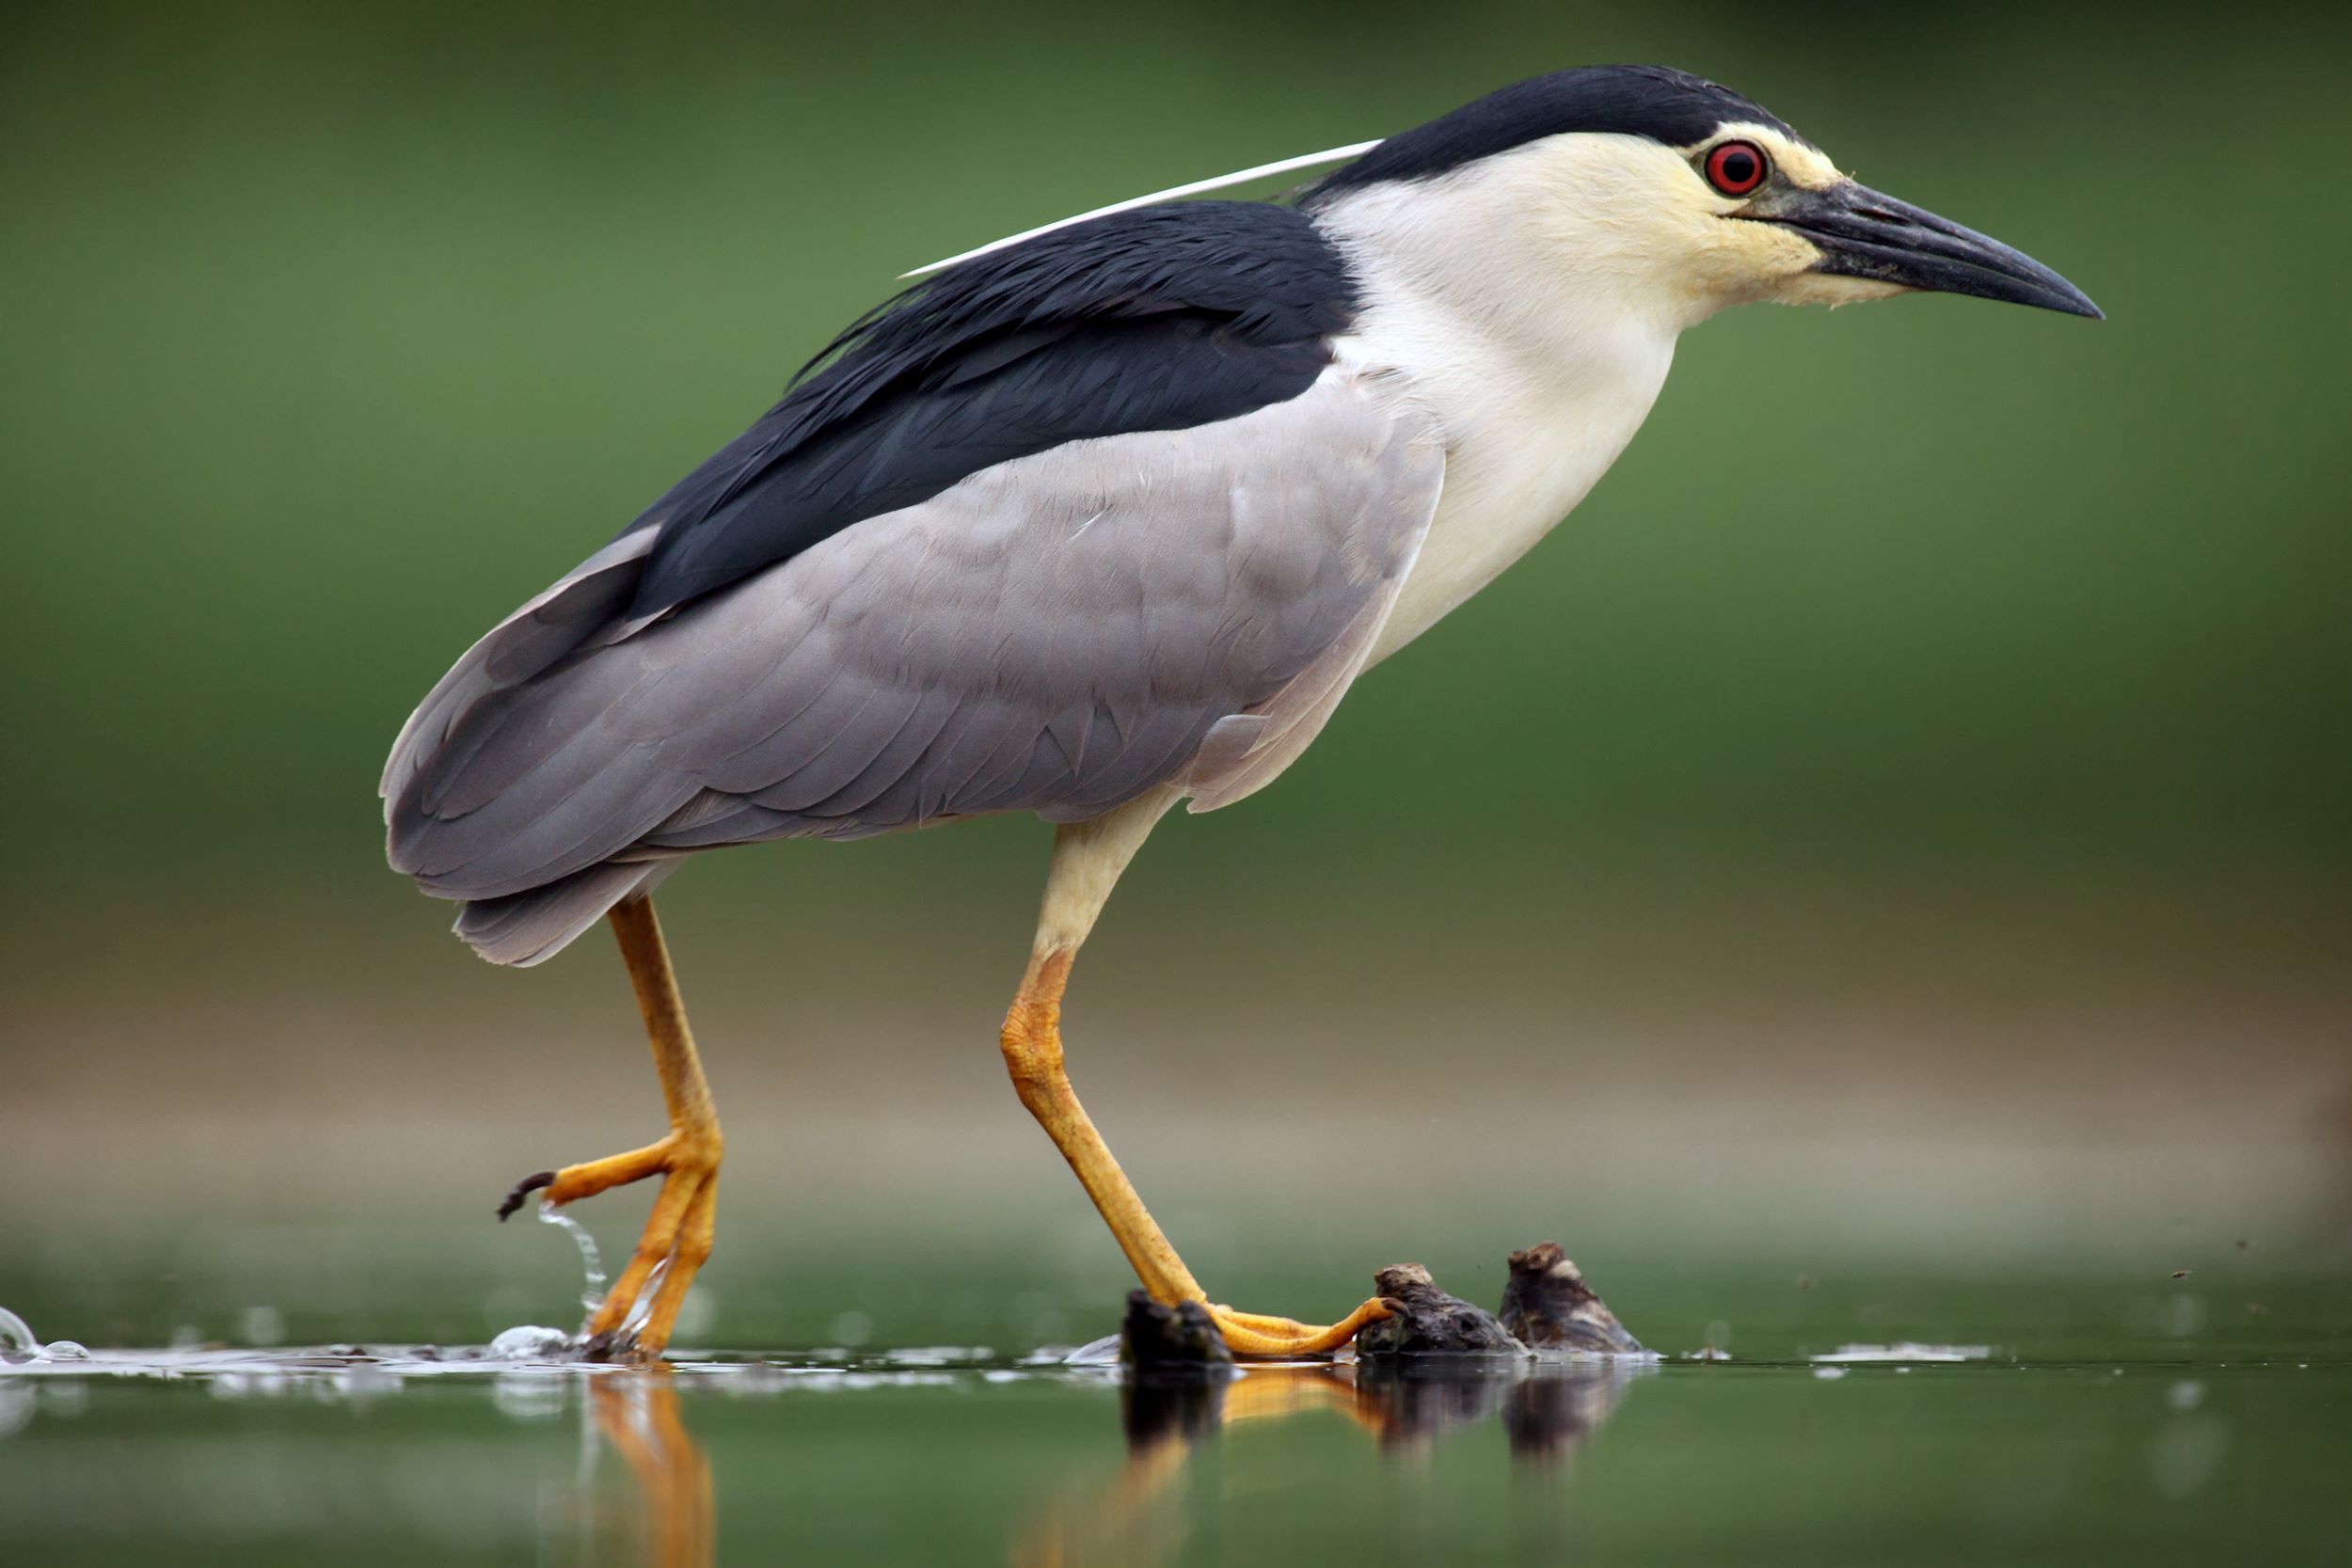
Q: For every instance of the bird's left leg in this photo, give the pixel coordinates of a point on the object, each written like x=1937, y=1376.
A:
x=678, y=1234
x=1087, y=859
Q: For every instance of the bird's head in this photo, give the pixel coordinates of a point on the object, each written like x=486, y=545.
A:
x=1752, y=211
x=1656, y=190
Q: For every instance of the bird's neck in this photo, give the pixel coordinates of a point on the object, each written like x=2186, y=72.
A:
x=1537, y=383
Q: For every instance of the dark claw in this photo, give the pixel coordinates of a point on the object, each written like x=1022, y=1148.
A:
x=614, y=1346
x=523, y=1189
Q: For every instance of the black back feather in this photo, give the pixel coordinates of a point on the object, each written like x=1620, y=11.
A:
x=1159, y=318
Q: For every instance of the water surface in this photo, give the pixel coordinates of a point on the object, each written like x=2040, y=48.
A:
x=959, y=1454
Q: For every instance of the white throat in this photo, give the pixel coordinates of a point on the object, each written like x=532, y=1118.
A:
x=1510, y=302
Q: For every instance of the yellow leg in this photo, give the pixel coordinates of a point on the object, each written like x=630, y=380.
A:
x=678, y=1234
x=1087, y=859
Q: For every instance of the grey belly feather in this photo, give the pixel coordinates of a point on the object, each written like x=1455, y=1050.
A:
x=1060, y=634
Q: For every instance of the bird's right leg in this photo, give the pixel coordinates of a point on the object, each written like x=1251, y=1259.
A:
x=1087, y=859
x=678, y=1234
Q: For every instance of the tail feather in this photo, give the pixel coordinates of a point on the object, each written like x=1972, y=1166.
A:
x=529, y=928
x=524, y=644
x=534, y=924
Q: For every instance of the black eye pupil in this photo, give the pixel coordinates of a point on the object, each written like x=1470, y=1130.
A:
x=1738, y=168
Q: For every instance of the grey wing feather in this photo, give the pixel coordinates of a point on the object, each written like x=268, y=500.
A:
x=1058, y=633
x=523, y=645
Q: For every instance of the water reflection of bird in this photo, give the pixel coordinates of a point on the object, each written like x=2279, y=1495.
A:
x=1133, y=1517
x=639, y=1416
x=1547, y=1410
x=1103, y=518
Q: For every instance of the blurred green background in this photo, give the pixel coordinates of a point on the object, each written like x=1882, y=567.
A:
x=1903, y=815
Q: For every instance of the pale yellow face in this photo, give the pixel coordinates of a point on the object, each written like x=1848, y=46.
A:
x=1585, y=221
x=1731, y=262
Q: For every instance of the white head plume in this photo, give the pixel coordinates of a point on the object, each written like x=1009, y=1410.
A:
x=1197, y=187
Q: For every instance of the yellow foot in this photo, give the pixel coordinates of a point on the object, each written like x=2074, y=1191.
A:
x=677, y=1238
x=1254, y=1334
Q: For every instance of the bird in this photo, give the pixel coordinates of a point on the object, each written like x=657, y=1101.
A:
x=1098, y=520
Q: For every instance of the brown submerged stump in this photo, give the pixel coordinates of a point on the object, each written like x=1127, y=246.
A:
x=1177, y=1369
x=1547, y=1306
x=1424, y=1321
x=1183, y=1339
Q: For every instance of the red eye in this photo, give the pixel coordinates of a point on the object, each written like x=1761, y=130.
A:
x=1736, y=167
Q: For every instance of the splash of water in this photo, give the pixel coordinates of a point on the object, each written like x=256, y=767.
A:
x=17, y=1342
x=530, y=1342
x=590, y=1261
x=642, y=1309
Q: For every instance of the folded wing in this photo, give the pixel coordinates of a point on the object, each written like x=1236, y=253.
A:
x=1058, y=632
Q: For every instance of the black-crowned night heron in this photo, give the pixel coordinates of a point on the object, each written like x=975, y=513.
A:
x=1101, y=518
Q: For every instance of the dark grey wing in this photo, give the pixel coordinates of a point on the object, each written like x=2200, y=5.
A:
x=1059, y=633
x=1161, y=318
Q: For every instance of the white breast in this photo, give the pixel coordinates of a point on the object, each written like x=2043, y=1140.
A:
x=1494, y=300
x=1507, y=487
x=1522, y=450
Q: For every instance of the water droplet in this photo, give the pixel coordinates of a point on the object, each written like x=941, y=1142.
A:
x=530, y=1342
x=261, y=1325
x=851, y=1328
x=590, y=1261
x=17, y=1342
x=641, y=1310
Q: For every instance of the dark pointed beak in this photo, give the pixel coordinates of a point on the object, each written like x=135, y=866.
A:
x=1862, y=233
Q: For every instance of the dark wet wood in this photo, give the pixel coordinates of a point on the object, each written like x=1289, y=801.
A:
x=1547, y=1306
x=1158, y=1337
x=1424, y=1321
x=1177, y=1371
